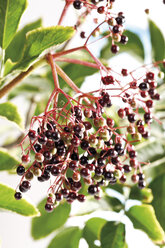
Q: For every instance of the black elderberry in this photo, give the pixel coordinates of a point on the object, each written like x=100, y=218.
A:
x=77, y=4
x=49, y=208
x=120, y=20
x=143, y=86
x=55, y=171
x=124, y=39
x=131, y=118
x=127, y=168
x=84, y=144
x=59, y=143
x=42, y=139
x=61, y=151
x=37, y=147
x=141, y=184
x=101, y=161
x=18, y=195
x=109, y=176
x=20, y=170
x=114, y=49
x=92, y=189
x=55, y=136
x=74, y=156
x=81, y=198
x=83, y=160
x=32, y=134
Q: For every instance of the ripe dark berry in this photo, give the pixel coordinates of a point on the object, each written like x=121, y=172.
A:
x=81, y=198
x=132, y=154
x=111, y=153
x=77, y=4
x=141, y=129
x=127, y=168
x=100, y=161
x=37, y=147
x=134, y=178
x=109, y=176
x=115, y=160
x=26, y=185
x=84, y=145
x=142, y=184
x=55, y=136
x=114, y=49
x=73, y=165
x=131, y=118
x=121, y=113
x=51, y=125
x=123, y=179
x=141, y=177
x=120, y=20
x=143, y=86
x=61, y=151
x=48, y=134
x=18, y=195
x=83, y=160
x=46, y=175
x=82, y=35
x=124, y=39
x=101, y=9
x=116, y=29
x=32, y=134
x=92, y=151
x=49, y=208
x=20, y=170
x=98, y=171
x=124, y=72
x=42, y=139
x=65, y=192
x=85, y=172
x=156, y=97
x=74, y=156
x=150, y=75
x=75, y=141
x=87, y=125
x=58, y=196
x=110, y=122
x=149, y=103
x=146, y=135
x=107, y=80
x=147, y=117
x=92, y=189
x=72, y=196
x=55, y=171
x=47, y=155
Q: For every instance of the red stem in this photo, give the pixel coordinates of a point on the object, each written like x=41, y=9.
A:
x=67, y=4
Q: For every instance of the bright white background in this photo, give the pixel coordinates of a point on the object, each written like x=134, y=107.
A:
x=15, y=229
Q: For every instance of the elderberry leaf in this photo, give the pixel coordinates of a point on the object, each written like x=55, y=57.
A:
x=134, y=46
x=114, y=203
x=15, y=49
x=10, y=112
x=37, y=41
x=157, y=41
x=92, y=229
x=48, y=222
x=10, y=14
x=158, y=190
x=143, y=217
x=8, y=202
x=69, y=238
x=113, y=235
x=145, y=195
x=7, y=161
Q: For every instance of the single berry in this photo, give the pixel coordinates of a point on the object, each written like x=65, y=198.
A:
x=49, y=208
x=20, y=170
x=101, y=9
x=124, y=39
x=18, y=195
x=114, y=49
x=77, y=4
x=92, y=189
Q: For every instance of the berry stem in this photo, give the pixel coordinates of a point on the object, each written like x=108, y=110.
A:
x=67, y=4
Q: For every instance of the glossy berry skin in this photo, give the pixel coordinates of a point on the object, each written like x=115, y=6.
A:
x=32, y=134
x=149, y=103
x=143, y=86
x=92, y=189
x=124, y=39
x=127, y=168
x=85, y=173
x=18, y=196
x=37, y=147
x=84, y=145
x=77, y=4
x=116, y=29
x=20, y=170
x=55, y=171
x=142, y=184
x=123, y=179
x=26, y=185
x=114, y=49
x=131, y=118
x=121, y=113
x=81, y=198
x=49, y=208
x=101, y=9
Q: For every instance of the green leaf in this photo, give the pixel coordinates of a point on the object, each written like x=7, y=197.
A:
x=48, y=222
x=143, y=217
x=157, y=41
x=158, y=190
x=10, y=112
x=114, y=203
x=134, y=46
x=8, y=202
x=15, y=49
x=69, y=238
x=113, y=235
x=92, y=229
x=37, y=41
x=23, y=89
x=145, y=195
x=7, y=162
x=10, y=14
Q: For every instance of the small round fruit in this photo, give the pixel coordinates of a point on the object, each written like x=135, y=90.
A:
x=49, y=208
x=18, y=195
x=20, y=170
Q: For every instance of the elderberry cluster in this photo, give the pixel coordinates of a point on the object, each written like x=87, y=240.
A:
x=80, y=143
x=115, y=21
